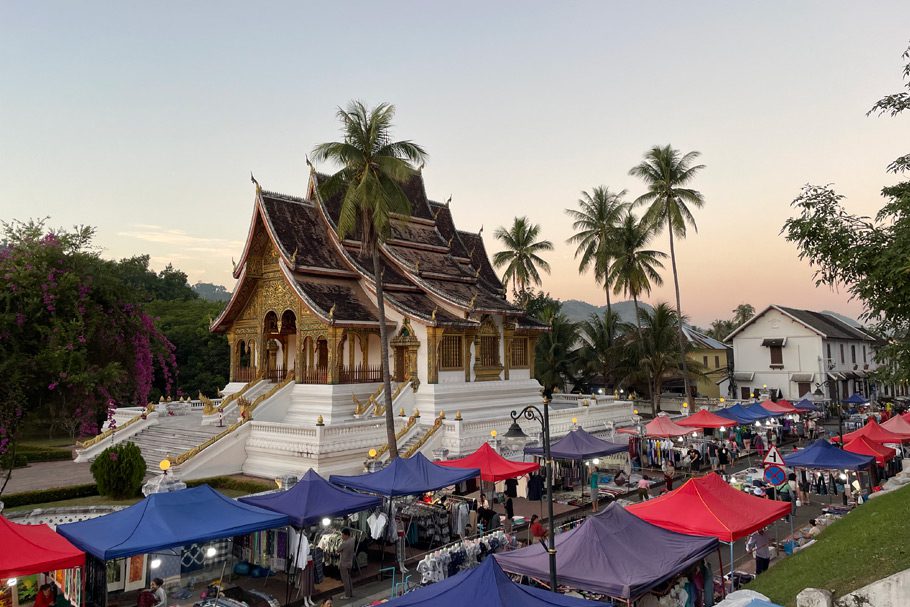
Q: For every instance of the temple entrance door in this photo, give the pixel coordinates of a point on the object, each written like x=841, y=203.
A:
x=322, y=360
x=401, y=364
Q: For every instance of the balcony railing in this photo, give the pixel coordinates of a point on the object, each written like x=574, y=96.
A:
x=244, y=374
x=360, y=374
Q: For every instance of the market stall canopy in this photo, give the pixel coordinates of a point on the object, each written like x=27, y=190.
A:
x=664, y=427
x=407, y=476
x=874, y=432
x=578, y=444
x=864, y=446
x=712, y=508
x=485, y=586
x=30, y=549
x=312, y=499
x=856, y=399
x=492, y=466
x=704, y=419
x=604, y=554
x=168, y=520
x=807, y=405
x=897, y=424
x=746, y=598
x=740, y=414
x=779, y=407
x=761, y=413
x=822, y=455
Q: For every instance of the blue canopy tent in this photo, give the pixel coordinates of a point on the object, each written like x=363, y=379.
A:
x=406, y=476
x=822, y=455
x=742, y=415
x=807, y=405
x=856, y=399
x=485, y=586
x=312, y=499
x=168, y=520
x=579, y=444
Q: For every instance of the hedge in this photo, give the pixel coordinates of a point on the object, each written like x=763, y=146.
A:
x=37, y=454
x=43, y=496
x=232, y=484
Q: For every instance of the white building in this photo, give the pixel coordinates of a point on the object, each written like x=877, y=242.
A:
x=793, y=351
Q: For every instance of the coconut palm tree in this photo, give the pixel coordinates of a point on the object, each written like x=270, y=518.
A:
x=657, y=352
x=373, y=170
x=595, y=221
x=666, y=173
x=599, y=351
x=555, y=357
x=521, y=255
x=741, y=314
x=635, y=268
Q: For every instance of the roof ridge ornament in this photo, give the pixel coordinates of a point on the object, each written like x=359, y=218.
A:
x=253, y=179
x=448, y=201
x=310, y=164
x=433, y=314
x=332, y=311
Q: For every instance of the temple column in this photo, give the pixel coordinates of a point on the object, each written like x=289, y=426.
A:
x=434, y=335
x=470, y=338
x=507, y=333
x=334, y=339
x=234, y=362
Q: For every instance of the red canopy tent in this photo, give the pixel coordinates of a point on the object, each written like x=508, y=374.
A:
x=664, y=427
x=706, y=505
x=864, y=446
x=897, y=424
x=706, y=419
x=493, y=466
x=30, y=549
x=875, y=433
x=780, y=406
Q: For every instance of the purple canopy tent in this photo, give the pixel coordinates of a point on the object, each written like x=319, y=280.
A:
x=614, y=553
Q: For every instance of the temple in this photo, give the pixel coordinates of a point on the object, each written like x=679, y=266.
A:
x=303, y=327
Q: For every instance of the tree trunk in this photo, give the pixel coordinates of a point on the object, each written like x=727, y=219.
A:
x=609, y=309
x=641, y=339
x=682, y=347
x=384, y=352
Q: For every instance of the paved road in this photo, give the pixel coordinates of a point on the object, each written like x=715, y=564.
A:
x=45, y=475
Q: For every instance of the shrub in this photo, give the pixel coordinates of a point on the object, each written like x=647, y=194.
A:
x=57, y=494
x=226, y=483
x=119, y=471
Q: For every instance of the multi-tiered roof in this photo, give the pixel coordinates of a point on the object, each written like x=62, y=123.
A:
x=433, y=273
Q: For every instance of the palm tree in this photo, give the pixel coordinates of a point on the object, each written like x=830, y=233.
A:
x=666, y=173
x=657, y=352
x=373, y=169
x=555, y=357
x=741, y=314
x=594, y=222
x=635, y=268
x=598, y=353
x=521, y=254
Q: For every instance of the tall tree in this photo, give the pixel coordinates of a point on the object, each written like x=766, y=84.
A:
x=656, y=353
x=595, y=222
x=635, y=268
x=521, y=256
x=666, y=174
x=742, y=314
x=869, y=257
x=555, y=357
x=598, y=353
x=373, y=170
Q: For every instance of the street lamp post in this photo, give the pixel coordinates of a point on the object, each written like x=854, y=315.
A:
x=533, y=413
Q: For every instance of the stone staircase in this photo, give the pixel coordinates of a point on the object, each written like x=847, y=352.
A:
x=172, y=436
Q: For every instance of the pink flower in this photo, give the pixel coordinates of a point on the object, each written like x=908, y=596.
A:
x=52, y=385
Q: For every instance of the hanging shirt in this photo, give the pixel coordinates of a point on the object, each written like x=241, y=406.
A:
x=377, y=522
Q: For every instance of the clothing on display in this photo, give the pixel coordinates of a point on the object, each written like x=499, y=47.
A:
x=263, y=548
x=459, y=556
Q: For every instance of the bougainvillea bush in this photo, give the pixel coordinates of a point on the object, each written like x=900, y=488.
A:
x=119, y=471
x=74, y=342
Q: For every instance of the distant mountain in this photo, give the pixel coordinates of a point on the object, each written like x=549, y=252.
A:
x=211, y=292
x=577, y=310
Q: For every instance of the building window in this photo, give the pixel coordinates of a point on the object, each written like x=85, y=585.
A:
x=489, y=350
x=842, y=359
x=519, y=353
x=717, y=362
x=803, y=388
x=450, y=353
x=864, y=354
x=829, y=353
x=777, y=356
x=705, y=361
x=853, y=354
x=745, y=393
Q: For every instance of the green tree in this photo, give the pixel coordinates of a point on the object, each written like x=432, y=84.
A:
x=538, y=304
x=869, y=257
x=595, y=222
x=118, y=471
x=655, y=353
x=742, y=314
x=720, y=328
x=521, y=255
x=555, y=357
x=373, y=170
x=666, y=174
x=599, y=351
x=635, y=268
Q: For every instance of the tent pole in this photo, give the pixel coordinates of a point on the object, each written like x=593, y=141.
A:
x=731, y=564
x=720, y=560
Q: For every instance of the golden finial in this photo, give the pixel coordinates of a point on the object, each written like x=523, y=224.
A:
x=294, y=256
x=253, y=179
x=451, y=238
x=417, y=266
x=473, y=303
x=477, y=273
x=416, y=413
x=401, y=412
x=458, y=416
x=433, y=315
x=442, y=415
x=319, y=421
x=310, y=164
x=332, y=311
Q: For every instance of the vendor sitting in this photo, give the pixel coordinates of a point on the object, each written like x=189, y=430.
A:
x=620, y=480
x=814, y=530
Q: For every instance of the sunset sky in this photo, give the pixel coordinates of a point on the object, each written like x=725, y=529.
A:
x=145, y=119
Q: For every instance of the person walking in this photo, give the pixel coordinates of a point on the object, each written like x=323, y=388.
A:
x=595, y=488
x=346, y=563
x=760, y=546
x=643, y=486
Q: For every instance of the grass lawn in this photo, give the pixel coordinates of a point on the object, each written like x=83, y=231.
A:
x=98, y=500
x=47, y=443
x=871, y=543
